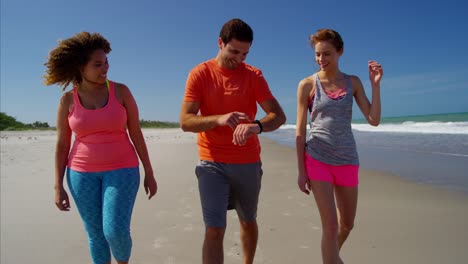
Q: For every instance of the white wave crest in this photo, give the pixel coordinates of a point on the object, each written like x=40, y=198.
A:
x=410, y=127
x=417, y=127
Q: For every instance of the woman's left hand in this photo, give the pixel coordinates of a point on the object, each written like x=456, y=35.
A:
x=375, y=72
x=304, y=184
x=150, y=184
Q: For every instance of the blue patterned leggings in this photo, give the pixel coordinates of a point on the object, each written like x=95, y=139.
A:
x=105, y=202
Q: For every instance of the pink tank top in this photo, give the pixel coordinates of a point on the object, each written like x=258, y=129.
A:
x=101, y=139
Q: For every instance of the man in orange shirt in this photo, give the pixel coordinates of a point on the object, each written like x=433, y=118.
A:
x=225, y=91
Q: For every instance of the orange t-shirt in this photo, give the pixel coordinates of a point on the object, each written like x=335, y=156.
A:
x=221, y=91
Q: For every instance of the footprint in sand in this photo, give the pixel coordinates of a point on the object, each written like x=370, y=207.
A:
x=188, y=215
x=188, y=227
x=159, y=242
x=234, y=252
x=169, y=260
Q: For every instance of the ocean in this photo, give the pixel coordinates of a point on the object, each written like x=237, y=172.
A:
x=430, y=149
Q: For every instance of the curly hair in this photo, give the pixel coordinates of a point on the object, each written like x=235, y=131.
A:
x=67, y=59
x=329, y=35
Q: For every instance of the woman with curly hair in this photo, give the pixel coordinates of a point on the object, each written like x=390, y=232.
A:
x=102, y=166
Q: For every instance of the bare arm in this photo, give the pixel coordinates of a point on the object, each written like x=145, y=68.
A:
x=303, y=93
x=190, y=121
x=136, y=135
x=62, y=149
x=274, y=119
x=371, y=111
x=275, y=116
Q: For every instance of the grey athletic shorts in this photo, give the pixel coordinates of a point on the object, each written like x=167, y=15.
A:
x=226, y=186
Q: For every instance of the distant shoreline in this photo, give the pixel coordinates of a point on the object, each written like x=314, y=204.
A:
x=9, y=123
x=166, y=126
x=454, y=117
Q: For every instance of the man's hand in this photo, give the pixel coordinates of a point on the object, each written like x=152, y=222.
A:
x=243, y=132
x=233, y=119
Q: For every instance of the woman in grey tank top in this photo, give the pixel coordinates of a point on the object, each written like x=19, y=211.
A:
x=327, y=158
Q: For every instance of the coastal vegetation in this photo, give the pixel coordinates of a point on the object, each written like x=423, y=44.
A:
x=158, y=124
x=11, y=124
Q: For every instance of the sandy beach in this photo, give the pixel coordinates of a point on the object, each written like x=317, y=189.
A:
x=397, y=221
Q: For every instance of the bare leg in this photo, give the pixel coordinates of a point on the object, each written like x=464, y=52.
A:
x=249, y=238
x=213, y=245
x=346, y=201
x=323, y=193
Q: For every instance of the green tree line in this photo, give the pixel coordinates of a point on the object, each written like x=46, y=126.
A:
x=10, y=123
x=157, y=124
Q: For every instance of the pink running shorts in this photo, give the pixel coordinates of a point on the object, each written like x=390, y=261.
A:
x=342, y=175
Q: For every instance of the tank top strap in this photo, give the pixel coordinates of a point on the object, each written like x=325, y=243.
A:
x=110, y=87
x=317, y=82
x=76, y=99
x=311, y=98
x=314, y=76
x=349, y=87
x=112, y=96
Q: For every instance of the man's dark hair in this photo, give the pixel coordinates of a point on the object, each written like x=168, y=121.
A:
x=236, y=29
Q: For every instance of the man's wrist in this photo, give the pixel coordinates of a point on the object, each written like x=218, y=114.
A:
x=259, y=125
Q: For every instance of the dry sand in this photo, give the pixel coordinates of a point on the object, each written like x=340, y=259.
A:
x=397, y=221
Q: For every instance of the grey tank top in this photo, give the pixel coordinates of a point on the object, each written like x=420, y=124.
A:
x=330, y=138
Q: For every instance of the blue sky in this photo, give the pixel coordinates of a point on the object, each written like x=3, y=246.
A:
x=421, y=45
